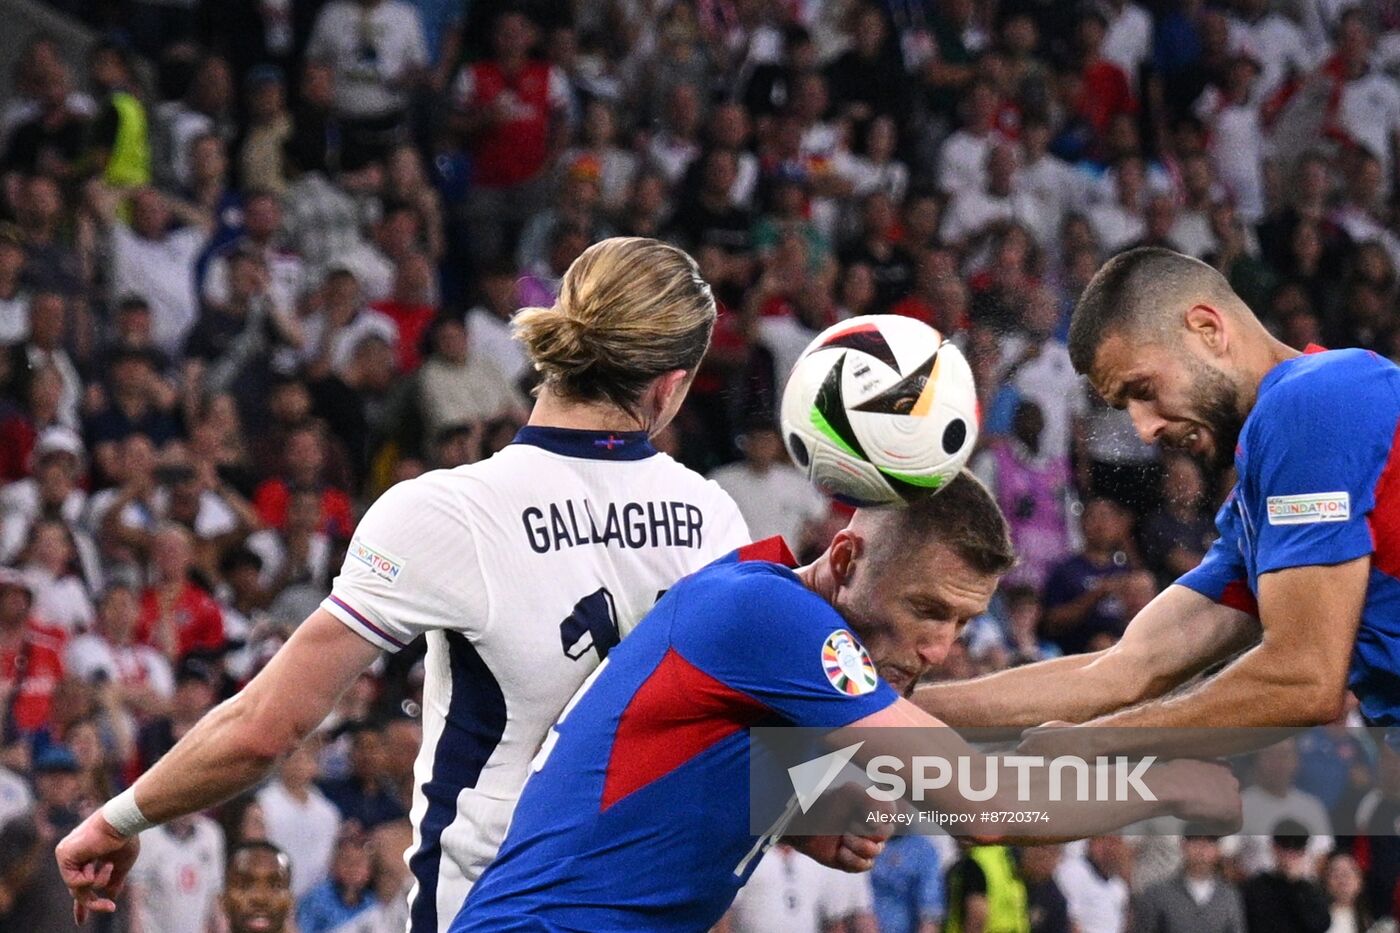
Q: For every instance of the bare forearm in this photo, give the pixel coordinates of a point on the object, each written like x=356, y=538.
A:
x=1250, y=704
x=219, y=758
x=1017, y=698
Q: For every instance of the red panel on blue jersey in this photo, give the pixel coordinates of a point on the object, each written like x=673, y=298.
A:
x=774, y=550
x=1385, y=516
x=676, y=714
x=1236, y=595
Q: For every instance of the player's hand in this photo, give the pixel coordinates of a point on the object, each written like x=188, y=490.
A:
x=1203, y=792
x=848, y=852
x=94, y=860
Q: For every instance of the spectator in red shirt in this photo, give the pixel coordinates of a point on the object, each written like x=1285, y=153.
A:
x=1105, y=92
x=412, y=306
x=511, y=110
x=31, y=661
x=302, y=468
x=177, y=616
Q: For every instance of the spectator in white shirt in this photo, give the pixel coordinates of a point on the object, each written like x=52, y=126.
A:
x=299, y=818
x=963, y=158
x=1198, y=192
x=789, y=892
x=773, y=497
x=1051, y=184
x=262, y=225
x=677, y=145
x=379, y=54
x=156, y=262
x=1269, y=800
x=175, y=884
x=1122, y=220
x=1094, y=887
x=1369, y=107
x=1274, y=40
x=459, y=384
x=488, y=323
x=142, y=675
x=973, y=210
x=1128, y=41
x=52, y=568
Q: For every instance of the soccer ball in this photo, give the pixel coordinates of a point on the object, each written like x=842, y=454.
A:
x=880, y=410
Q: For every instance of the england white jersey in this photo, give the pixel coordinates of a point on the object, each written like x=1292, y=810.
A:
x=523, y=570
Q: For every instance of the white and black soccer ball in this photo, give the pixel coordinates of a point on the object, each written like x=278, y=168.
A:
x=880, y=410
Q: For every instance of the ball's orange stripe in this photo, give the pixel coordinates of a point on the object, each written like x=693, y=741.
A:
x=925, y=402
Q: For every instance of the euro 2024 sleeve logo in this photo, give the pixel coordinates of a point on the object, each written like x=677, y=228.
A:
x=847, y=666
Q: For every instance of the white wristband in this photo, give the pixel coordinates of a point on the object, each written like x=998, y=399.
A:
x=124, y=815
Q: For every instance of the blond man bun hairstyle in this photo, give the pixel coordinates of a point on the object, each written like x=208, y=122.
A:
x=630, y=309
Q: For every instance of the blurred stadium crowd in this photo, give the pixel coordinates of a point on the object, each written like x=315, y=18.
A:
x=258, y=260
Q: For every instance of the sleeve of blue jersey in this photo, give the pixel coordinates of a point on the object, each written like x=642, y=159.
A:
x=1313, y=443
x=1222, y=564
x=767, y=637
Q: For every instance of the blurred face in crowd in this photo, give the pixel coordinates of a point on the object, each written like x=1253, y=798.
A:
x=149, y=215
x=290, y=403
x=721, y=169
x=57, y=473
x=212, y=89
x=258, y=891
x=870, y=32
x=1353, y=40
x=1042, y=313
x=683, y=110
x=450, y=342
x=368, y=755
x=45, y=392
x=981, y=107
x=171, y=552
x=1275, y=766
x=138, y=458
x=132, y=377
x=208, y=159
x=262, y=217
x=1131, y=183
x=1200, y=855
x=1038, y=863
x=1343, y=879
x=318, y=85
x=342, y=295
x=58, y=790
x=117, y=614
x=11, y=259
x=14, y=605
x=351, y=868
x=266, y=100
x=811, y=97
x=599, y=126
x=878, y=215
x=50, y=546
x=134, y=324
x=1105, y=525
x=1019, y=35
x=194, y=696
x=858, y=287
x=42, y=203
x=306, y=455
x=247, y=275
x=456, y=448
x=513, y=36
x=729, y=126
x=48, y=319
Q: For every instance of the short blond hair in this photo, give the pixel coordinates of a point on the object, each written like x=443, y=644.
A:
x=630, y=309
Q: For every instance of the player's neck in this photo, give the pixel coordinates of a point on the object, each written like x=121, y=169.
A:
x=551, y=411
x=818, y=577
x=1259, y=360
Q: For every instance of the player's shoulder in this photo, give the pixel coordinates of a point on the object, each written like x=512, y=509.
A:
x=755, y=582
x=1335, y=384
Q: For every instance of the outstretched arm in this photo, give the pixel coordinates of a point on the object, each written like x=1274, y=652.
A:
x=1176, y=636
x=227, y=752
x=1295, y=676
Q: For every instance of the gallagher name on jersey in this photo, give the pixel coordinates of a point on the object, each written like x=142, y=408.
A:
x=572, y=522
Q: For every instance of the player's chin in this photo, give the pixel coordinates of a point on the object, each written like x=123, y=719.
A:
x=903, y=681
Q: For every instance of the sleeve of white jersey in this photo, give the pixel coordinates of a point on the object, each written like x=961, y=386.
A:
x=411, y=567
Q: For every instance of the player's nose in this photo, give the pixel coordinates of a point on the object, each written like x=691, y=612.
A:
x=1148, y=424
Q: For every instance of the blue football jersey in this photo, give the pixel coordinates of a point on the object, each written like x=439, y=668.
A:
x=1318, y=484
x=637, y=817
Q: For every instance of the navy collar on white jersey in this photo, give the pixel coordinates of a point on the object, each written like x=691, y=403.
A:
x=587, y=445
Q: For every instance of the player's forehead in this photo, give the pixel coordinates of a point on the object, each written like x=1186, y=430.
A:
x=1122, y=361
x=937, y=578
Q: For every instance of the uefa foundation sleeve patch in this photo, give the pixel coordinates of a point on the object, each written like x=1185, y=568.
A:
x=847, y=665
x=1309, y=508
x=380, y=562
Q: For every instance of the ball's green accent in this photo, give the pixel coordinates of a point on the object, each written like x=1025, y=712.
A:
x=924, y=482
x=829, y=412
x=819, y=420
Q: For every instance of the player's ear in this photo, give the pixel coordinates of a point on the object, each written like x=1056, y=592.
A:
x=1208, y=325
x=846, y=549
x=666, y=389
